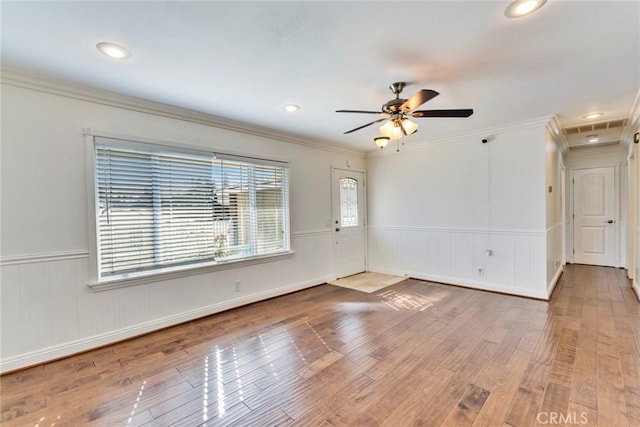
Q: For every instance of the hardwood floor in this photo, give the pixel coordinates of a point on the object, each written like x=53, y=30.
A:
x=415, y=353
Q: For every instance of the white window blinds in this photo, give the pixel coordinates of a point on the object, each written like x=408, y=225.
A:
x=159, y=209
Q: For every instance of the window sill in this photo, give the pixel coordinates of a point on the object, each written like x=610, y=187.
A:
x=183, y=271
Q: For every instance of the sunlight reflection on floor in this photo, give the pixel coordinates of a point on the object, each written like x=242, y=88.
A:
x=318, y=336
x=237, y=372
x=266, y=352
x=357, y=307
x=399, y=300
x=219, y=383
x=232, y=360
x=43, y=419
x=135, y=405
x=205, y=394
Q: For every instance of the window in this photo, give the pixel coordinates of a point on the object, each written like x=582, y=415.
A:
x=348, y=202
x=158, y=207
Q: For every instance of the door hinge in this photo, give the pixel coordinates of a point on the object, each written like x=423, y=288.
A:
x=574, y=251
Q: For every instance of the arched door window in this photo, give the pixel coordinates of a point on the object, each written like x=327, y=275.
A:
x=348, y=202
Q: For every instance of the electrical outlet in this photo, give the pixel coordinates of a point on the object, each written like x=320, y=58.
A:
x=237, y=287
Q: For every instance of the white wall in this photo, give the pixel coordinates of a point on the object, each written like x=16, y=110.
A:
x=46, y=307
x=634, y=212
x=435, y=210
x=633, y=233
x=635, y=224
x=554, y=220
x=633, y=126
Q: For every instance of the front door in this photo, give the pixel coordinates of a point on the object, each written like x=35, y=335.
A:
x=348, y=222
x=594, y=216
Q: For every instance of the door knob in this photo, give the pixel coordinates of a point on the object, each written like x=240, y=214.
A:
x=610, y=221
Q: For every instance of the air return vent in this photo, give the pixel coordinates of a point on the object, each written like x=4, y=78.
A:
x=591, y=127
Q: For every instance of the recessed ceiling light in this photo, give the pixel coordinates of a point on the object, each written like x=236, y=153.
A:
x=292, y=108
x=113, y=50
x=593, y=138
x=523, y=7
x=592, y=116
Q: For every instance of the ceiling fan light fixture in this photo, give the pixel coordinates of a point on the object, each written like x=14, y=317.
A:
x=381, y=141
x=409, y=126
x=520, y=8
x=391, y=130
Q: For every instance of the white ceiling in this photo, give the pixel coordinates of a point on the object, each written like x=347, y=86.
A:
x=246, y=60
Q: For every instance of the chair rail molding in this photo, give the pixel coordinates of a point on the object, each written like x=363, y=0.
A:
x=42, y=257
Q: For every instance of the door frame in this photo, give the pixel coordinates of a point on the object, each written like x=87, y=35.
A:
x=616, y=211
x=335, y=215
x=632, y=198
x=566, y=224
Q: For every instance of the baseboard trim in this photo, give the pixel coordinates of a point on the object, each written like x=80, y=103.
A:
x=465, y=283
x=48, y=354
x=636, y=288
x=554, y=281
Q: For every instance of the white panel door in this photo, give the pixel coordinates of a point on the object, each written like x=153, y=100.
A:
x=594, y=216
x=348, y=221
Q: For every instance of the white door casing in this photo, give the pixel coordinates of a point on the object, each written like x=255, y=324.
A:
x=594, y=216
x=348, y=221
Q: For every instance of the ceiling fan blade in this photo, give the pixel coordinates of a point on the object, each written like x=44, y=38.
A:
x=418, y=99
x=464, y=112
x=360, y=111
x=364, y=126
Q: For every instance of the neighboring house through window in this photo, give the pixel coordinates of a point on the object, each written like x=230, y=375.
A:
x=159, y=207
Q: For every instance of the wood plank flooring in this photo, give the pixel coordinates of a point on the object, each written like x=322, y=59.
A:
x=416, y=353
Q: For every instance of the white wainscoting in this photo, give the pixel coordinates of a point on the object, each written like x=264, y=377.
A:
x=514, y=265
x=554, y=256
x=48, y=310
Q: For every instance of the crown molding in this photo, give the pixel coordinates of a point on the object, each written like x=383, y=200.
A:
x=632, y=126
x=555, y=129
x=414, y=145
x=46, y=84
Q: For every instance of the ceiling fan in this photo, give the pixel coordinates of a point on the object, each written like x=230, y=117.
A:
x=398, y=110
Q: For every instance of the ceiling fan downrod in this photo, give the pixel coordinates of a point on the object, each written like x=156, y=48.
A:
x=396, y=88
x=393, y=106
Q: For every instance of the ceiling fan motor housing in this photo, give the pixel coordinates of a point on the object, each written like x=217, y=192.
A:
x=393, y=106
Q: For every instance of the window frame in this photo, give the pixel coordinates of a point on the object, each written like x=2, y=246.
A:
x=153, y=275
